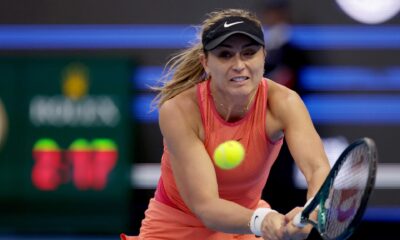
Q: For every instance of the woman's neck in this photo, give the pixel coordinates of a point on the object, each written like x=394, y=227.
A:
x=233, y=108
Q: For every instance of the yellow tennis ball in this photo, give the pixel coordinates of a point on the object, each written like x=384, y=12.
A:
x=229, y=154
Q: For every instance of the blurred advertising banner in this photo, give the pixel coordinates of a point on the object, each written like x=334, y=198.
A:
x=65, y=160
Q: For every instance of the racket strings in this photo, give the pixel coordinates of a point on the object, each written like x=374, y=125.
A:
x=347, y=192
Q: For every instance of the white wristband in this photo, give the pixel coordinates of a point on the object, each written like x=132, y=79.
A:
x=257, y=219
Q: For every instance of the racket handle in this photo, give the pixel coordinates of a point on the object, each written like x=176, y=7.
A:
x=297, y=219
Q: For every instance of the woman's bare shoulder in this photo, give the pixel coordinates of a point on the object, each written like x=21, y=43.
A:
x=279, y=95
x=184, y=101
x=283, y=102
x=183, y=107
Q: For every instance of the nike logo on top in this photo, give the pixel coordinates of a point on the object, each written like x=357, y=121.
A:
x=226, y=25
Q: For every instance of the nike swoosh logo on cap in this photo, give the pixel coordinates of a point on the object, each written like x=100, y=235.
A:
x=226, y=25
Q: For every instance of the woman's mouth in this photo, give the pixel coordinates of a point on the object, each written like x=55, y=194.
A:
x=239, y=79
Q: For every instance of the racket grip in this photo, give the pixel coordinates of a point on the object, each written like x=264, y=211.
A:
x=297, y=219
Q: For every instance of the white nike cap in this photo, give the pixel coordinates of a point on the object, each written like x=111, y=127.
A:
x=226, y=27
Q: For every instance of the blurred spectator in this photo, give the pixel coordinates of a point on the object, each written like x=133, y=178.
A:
x=3, y=123
x=284, y=59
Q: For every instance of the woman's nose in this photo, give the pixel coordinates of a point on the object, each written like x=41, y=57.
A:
x=238, y=64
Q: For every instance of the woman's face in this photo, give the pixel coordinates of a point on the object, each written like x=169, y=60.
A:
x=236, y=66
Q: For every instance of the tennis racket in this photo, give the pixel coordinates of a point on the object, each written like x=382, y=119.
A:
x=341, y=201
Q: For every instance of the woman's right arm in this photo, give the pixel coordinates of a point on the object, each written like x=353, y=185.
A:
x=194, y=172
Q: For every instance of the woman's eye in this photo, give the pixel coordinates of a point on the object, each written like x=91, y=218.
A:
x=249, y=53
x=225, y=55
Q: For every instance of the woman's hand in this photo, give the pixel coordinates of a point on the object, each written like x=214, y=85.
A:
x=292, y=232
x=273, y=226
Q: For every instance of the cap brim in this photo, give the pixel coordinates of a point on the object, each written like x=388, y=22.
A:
x=214, y=43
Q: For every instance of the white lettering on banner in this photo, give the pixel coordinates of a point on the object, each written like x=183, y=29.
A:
x=59, y=111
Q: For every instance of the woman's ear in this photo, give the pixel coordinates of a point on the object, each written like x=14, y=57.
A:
x=204, y=63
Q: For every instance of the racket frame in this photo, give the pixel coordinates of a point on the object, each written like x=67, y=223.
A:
x=320, y=198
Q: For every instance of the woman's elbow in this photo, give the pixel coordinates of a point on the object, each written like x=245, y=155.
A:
x=203, y=211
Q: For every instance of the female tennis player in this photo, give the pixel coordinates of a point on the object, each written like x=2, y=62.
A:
x=218, y=93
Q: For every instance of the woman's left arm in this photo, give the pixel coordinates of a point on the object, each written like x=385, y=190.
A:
x=305, y=146
x=304, y=143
